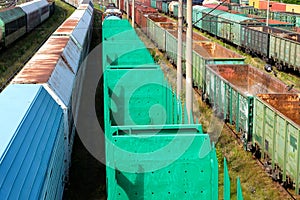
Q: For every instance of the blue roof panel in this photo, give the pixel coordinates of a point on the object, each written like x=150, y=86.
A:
x=31, y=128
x=13, y=110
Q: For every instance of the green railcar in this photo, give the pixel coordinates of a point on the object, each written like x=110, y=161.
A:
x=153, y=3
x=230, y=27
x=206, y=52
x=12, y=25
x=277, y=133
x=210, y=21
x=156, y=33
x=198, y=16
x=231, y=90
x=285, y=49
x=150, y=154
x=165, y=7
x=122, y=46
x=256, y=39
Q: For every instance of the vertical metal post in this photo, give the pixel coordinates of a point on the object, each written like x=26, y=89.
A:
x=179, y=50
x=189, y=59
x=127, y=8
x=132, y=13
x=268, y=11
x=119, y=2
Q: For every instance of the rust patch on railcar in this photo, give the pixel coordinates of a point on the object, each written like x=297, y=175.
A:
x=159, y=18
x=287, y=104
x=168, y=25
x=250, y=80
x=40, y=67
x=83, y=6
x=213, y=50
x=67, y=27
x=196, y=37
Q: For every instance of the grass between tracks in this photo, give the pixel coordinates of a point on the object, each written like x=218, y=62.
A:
x=14, y=57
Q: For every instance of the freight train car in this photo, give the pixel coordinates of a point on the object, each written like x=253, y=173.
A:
x=276, y=45
x=61, y=57
x=224, y=25
x=15, y=22
x=232, y=88
x=150, y=154
x=40, y=108
x=36, y=11
x=31, y=147
x=276, y=135
x=13, y=25
x=233, y=28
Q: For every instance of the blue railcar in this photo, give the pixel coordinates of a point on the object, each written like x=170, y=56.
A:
x=31, y=130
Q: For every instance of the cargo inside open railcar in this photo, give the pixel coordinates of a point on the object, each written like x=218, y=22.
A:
x=287, y=104
x=250, y=79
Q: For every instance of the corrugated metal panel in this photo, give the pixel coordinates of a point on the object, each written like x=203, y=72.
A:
x=54, y=183
x=61, y=81
x=12, y=14
x=68, y=26
x=31, y=122
x=82, y=28
x=72, y=55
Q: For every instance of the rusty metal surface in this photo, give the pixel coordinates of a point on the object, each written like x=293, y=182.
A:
x=40, y=67
x=168, y=25
x=69, y=25
x=250, y=80
x=209, y=49
x=287, y=104
x=196, y=37
x=83, y=6
x=159, y=18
